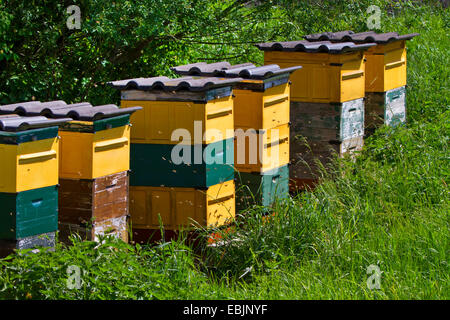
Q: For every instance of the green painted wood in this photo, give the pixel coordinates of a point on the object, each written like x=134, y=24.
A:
x=28, y=213
x=28, y=135
x=98, y=125
x=152, y=165
x=395, y=107
x=261, y=189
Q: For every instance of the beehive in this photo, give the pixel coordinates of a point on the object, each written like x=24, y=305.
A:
x=386, y=62
x=205, y=165
x=327, y=100
x=182, y=208
x=330, y=72
x=261, y=188
x=182, y=150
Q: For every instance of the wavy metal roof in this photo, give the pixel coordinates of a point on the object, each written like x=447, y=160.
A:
x=177, y=84
x=59, y=109
x=17, y=123
x=314, y=47
x=361, y=37
x=226, y=70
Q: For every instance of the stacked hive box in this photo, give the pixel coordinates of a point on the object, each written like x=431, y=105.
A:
x=261, y=122
x=181, y=152
x=93, y=171
x=385, y=84
x=327, y=107
x=29, y=151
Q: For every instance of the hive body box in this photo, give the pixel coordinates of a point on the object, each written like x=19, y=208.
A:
x=259, y=108
x=159, y=119
x=387, y=108
x=324, y=77
x=28, y=159
x=93, y=149
x=84, y=201
x=28, y=213
x=386, y=67
x=180, y=208
x=261, y=189
x=262, y=150
x=152, y=164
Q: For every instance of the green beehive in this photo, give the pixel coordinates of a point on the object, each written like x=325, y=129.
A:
x=28, y=213
x=261, y=188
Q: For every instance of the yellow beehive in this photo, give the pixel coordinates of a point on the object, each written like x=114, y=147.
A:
x=159, y=119
x=261, y=109
x=386, y=67
x=386, y=62
x=86, y=155
x=324, y=77
x=262, y=150
x=182, y=207
x=29, y=165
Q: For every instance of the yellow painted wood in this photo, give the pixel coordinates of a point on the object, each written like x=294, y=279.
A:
x=324, y=77
x=156, y=122
x=182, y=208
x=386, y=67
x=94, y=155
x=261, y=110
x=29, y=165
x=263, y=151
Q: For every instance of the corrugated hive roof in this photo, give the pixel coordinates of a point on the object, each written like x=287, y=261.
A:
x=177, y=84
x=226, y=70
x=59, y=109
x=15, y=123
x=361, y=37
x=314, y=47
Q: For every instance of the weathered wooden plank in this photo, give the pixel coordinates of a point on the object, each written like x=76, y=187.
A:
x=320, y=121
x=116, y=227
x=99, y=199
x=387, y=108
x=32, y=242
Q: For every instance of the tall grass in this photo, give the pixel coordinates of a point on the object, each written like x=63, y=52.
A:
x=387, y=208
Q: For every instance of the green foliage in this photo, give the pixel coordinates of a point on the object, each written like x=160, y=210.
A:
x=388, y=207
x=109, y=270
